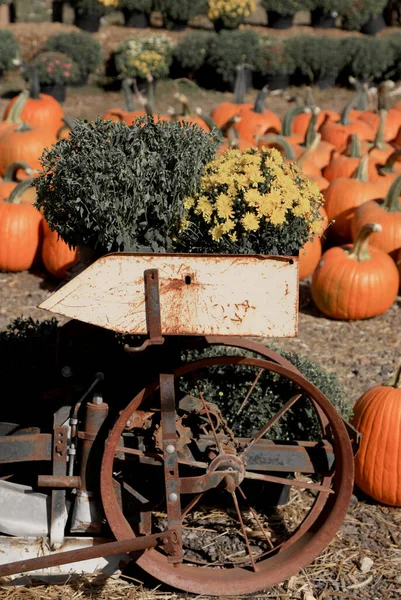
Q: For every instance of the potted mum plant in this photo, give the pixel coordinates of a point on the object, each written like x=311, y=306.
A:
x=228, y=50
x=280, y=13
x=89, y=12
x=9, y=51
x=82, y=48
x=365, y=16
x=139, y=57
x=136, y=12
x=177, y=13
x=229, y=14
x=54, y=71
x=325, y=12
x=275, y=64
x=318, y=59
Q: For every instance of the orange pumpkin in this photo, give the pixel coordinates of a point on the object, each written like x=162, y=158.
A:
x=386, y=212
x=380, y=151
x=22, y=193
x=57, y=256
x=8, y=183
x=339, y=133
x=128, y=114
x=397, y=260
x=355, y=281
x=24, y=144
x=309, y=257
x=342, y=198
x=20, y=234
x=377, y=416
x=345, y=165
x=393, y=121
x=191, y=117
x=233, y=140
x=301, y=121
x=323, y=152
x=258, y=121
x=227, y=110
x=37, y=110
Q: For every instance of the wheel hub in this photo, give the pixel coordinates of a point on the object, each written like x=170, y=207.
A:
x=234, y=466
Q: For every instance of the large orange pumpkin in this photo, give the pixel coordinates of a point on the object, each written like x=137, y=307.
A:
x=377, y=416
x=301, y=122
x=393, y=121
x=20, y=234
x=339, y=133
x=258, y=121
x=345, y=165
x=309, y=257
x=57, y=256
x=37, y=110
x=342, y=198
x=355, y=281
x=24, y=144
x=386, y=212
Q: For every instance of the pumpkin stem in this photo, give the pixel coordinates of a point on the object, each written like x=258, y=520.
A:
x=391, y=202
x=309, y=100
x=384, y=94
x=233, y=138
x=150, y=96
x=354, y=147
x=363, y=98
x=23, y=127
x=286, y=127
x=395, y=380
x=360, y=250
x=12, y=170
x=207, y=118
x=379, y=142
x=229, y=125
x=309, y=150
x=128, y=97
x=389, y=166
x=240, y=85
x=311, y=131
x=16, y=194
x=34, y=85
x=361, y=172
x=280, y=141
x=186, y=109
x=14, y=116
x=260, y=102
x=68, y=124
x=345, y=120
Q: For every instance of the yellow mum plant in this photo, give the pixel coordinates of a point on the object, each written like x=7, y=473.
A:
x=230, y=12
x=251, y=202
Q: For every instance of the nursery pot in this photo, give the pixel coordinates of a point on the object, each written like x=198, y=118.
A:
x=325, y=82
x=375, y=24
x=57, y=90
x=143, y=85
x=177, y=25
x=322, y=19
x=219, y=25
x=89, y=22
x=279, y=21
x=136, y=18
x=278, y=81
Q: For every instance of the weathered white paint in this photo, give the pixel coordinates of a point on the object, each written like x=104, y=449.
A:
x=244, y=295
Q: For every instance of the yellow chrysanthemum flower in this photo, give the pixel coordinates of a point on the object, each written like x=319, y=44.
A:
x=189, y=202
x=217, y=232
x=277, y=217
x=250, y=222
x=224, y=206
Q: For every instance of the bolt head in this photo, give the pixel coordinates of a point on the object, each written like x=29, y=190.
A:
x=173, y=497
x=170, y=449
x=66, y=372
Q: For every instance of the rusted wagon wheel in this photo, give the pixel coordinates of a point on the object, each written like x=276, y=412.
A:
x=257, y=551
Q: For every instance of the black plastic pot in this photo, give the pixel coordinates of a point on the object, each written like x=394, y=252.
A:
x=325, y=82
x=57, y=11
x=279, y=21
x=89, y=22
x=57, y=90
x=375, y=24
x=219, y=25
x=321, y=19
x=277, y=82
x=176, y=25
x=143, y=85
x=136, y=18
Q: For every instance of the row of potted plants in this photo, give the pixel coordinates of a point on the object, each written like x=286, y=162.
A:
x=362, y=15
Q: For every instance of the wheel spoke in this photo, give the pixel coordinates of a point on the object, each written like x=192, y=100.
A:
x=292, y=482
x=191, y=504
x=220, y=449
x=245, y=400
x=235, y=500
x=255, y=516
x=271, y=422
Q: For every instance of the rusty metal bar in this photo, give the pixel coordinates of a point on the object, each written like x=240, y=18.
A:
x=72, y=556
x=59, y=481
x=25, y=448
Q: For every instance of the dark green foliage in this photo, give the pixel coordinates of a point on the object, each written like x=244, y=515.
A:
x=84, y=50
x=94, y=7
x=192, y=50
x=227, y=386
x=360, y=12
x=331, y=6
x=228, y=49
x=317, y=56
x=119, y=188
x=174, y=11
x=54, y=68
x=139, y=5
x=274, y=57
x=9, y=50
x=368, y=57
x=286, y=7
x=394, y=49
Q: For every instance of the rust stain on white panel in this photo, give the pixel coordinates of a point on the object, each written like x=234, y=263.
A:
x=245, y=295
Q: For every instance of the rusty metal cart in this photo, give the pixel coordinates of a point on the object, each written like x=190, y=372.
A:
x=146, y=471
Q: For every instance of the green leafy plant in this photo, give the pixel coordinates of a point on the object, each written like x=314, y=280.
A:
x=54, y=68
x=117, y=188
x=394, y=49
x=179, y=11
x=9, y=51
x=94, y=7
x=192, y=50
x=274, y=57
x=81, y=47
x=139, y=56
x=317, y=56
x=228, y=49
x=230, y=13
x=250, y=202
x=139, y=5
x=286, y=7
x=227, y=386
x=368, y=57
x=331, y=6
x=360, y=11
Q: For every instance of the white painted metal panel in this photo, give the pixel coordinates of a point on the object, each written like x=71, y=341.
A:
x=244, y=295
